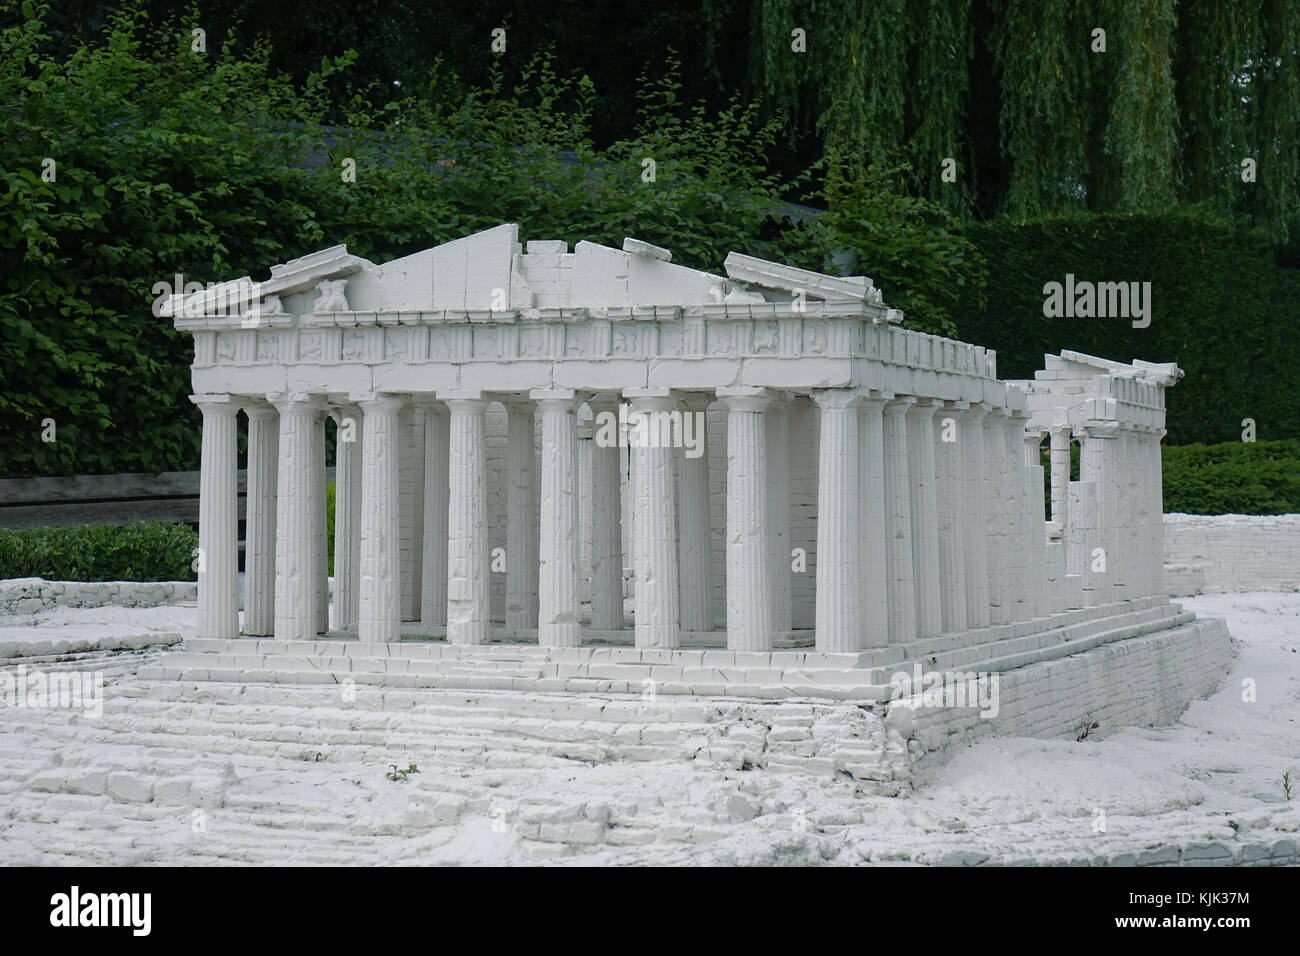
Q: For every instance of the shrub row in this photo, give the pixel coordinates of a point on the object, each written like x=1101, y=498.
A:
x=144, y=551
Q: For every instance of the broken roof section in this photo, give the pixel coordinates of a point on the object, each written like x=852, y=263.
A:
x=492, y=271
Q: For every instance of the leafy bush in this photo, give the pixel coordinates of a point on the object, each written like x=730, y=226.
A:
x=1251, y=478
x=143, y=551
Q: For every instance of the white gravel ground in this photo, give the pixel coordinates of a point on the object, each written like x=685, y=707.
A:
x=153, y=783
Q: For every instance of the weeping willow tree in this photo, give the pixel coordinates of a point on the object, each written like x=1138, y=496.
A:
x=1108, y=105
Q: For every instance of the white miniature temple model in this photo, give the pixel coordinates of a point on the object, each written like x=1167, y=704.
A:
x=861, y=486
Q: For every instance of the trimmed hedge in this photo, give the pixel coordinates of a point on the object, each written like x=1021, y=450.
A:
x=143, y=551
x=1249, y=478
x=1219, y=309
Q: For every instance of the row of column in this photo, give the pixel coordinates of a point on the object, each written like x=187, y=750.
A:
x=929, y=520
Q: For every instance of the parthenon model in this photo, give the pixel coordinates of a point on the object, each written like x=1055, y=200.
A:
x=857, y=488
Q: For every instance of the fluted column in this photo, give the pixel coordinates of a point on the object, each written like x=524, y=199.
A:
x=1036, y=518
x=695, y=547
x=295, y=549
x=521, y=500
x=1059, y=458
x=347, y=518
x=898, y=524
x=320, y=522
x=433, y=580
x=950, y=484
x=777, y=423
x=838, y=621
x=259, y=529
x=1022, y=574
x=654, y=532
x=381, y=530
x=873, y=580
x=997, y=516
x=606, y=521
x=975, y=531
x=925, y=520
x=410, y=431
x=1156, y=581
x=749, y=597
x=218, y=517
x=558, y=581
x=1102, y=464
x=467, y=547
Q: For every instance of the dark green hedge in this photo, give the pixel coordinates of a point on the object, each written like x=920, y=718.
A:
x=1251, y=478
x=144, y=551
x=1221, y=310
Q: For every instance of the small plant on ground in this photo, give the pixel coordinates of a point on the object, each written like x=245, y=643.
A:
x=1286, y=784
x=1086, y=728
x=395, y=774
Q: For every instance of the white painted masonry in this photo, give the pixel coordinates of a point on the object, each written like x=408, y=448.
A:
x=864, y=491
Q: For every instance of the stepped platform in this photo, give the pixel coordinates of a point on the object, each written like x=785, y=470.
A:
x=606, y=667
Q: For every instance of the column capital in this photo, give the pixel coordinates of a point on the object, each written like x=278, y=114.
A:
x=260, y=410
x=694, y=401
x=218, y=403
x=450, y=395
x=835, y=398
x=744, y=398
x=371, y=402
x=650, y=399
x=555, y=399
x=924, y=408
x=1095, y=429
x=899, y=404
x=976, y=413
x=301, y=403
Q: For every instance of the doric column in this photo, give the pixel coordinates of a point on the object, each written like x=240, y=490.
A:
x=410, y=456
x=259, y=529
x=777, y=424
x=997, y=515
x=654, y=529
x=1036, y=520
x=295, y=536
x=467, y=547
x=839, y=621
x=925, y=519
x=749, y=596
x=558, y=581
x=1060, y=465
x=1021, y=575
x=320, y=524
x=973, y=511
x=433, y=579
x=898, y=523
x=873, y=580
x=521, y=499
x=1102, y=464
x=347, y=518
x=606, y=520
x=218, y=517
x=950, y=498
x=695, y=547
x=1155, y=466
x=381, y=530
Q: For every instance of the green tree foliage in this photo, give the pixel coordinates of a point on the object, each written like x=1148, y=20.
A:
x=1183, y=91
x=126, y=163
x=1219, y=309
